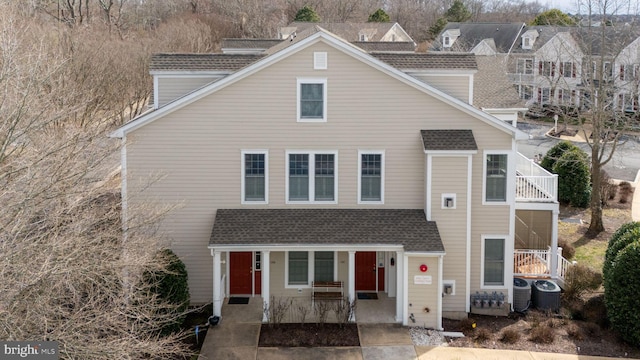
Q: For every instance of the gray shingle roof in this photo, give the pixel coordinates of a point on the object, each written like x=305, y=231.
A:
x=349, y=31
x=491, y=86
x=429, y=60
x=439, y=140
x=249, y=43
x=201, y=62
x=471, y=34
x=407, y=227
x=385, y=46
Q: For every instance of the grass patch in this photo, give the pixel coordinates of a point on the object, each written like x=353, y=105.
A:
x=591, y=254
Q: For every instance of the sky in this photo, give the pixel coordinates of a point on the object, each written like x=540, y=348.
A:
x=571, y=6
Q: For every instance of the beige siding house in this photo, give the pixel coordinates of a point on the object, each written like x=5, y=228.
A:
x=319, y=161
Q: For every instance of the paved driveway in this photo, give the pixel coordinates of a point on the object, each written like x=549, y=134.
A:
x=624, y=165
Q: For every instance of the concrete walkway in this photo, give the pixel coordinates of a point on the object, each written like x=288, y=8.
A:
x=236, y=337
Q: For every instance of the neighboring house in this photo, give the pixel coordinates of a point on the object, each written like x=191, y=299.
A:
x=363, y=32
x=546, y=64
x=317, y=160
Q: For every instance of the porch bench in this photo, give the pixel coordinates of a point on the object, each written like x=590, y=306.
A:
x=326, y=290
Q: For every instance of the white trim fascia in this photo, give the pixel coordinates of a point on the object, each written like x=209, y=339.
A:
x=424, y=253
x=382, y=171
x=468, y=233
x=471, y=90
x=123, y=187
x=428, y=184
x=405, y=289
x=440, y=277
x=188, y=73
x=440, y=72
x=451, y=152
x=504, y=286
x=266, y=176
x=504, y=110
x=509, y=246
x=311, y=154
x=311, y=247
x=349, y=49
x=156, y=93
x=543, y=206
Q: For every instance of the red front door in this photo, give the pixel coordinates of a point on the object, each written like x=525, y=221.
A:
x=366, y=271
x=240, y=271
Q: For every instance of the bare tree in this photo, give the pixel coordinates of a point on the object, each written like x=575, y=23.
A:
x=66, y=272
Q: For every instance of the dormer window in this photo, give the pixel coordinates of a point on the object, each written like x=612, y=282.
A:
x=528, y=38
x=449, y=37
x=363, y=37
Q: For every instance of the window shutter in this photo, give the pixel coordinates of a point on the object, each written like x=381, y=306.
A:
x=621, y=72
x=320, y=60
x=540, y=67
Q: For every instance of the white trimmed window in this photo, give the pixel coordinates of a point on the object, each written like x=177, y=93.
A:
x=312, y=100
x=524, y=66
x=371, y=177
x=526, y=42
x=493, y=261
x=255, y=177
x=495, y=179
x=312, y=177
x=568, y=69
x=302, y=267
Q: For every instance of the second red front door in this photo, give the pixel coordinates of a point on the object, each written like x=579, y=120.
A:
x=366, y=271
x=240, y=273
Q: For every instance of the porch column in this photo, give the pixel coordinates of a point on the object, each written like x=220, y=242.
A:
x=352, y=276
x=554, y=244
x=217, y=272
x=265, y=283
x=400, y=285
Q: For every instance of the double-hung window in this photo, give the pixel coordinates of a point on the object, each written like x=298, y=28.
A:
x=524, y=66
x=371, y=179
x=493, y=261
x=254, y=177
x=312, y=100
x=298, y=268
x=496, y=170
x=311, y=177
x=302, y=267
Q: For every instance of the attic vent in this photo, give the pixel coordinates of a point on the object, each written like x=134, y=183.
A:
x=320, y=60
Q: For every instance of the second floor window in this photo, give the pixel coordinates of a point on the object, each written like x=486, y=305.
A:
x=547, y=68
x=568, y=69
x=496, y=178
x=524, y=66
x=311, y=177
x=254, y=176
x=371, y=180
x=312, y=100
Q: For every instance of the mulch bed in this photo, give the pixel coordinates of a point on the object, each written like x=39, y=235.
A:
x=307, y=335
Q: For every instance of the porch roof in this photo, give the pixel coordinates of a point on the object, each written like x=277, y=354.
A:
x=362, y=227
x=448, y=140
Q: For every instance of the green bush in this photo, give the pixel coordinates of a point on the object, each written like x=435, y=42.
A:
x=170, y=285
x=574, y=178
x=307, y=14
x=622, y=292
x=379, y=16
x=624, y=236
x=554, y=154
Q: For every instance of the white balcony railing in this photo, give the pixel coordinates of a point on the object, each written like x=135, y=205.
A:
x=533, y=182
x=537, y=263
